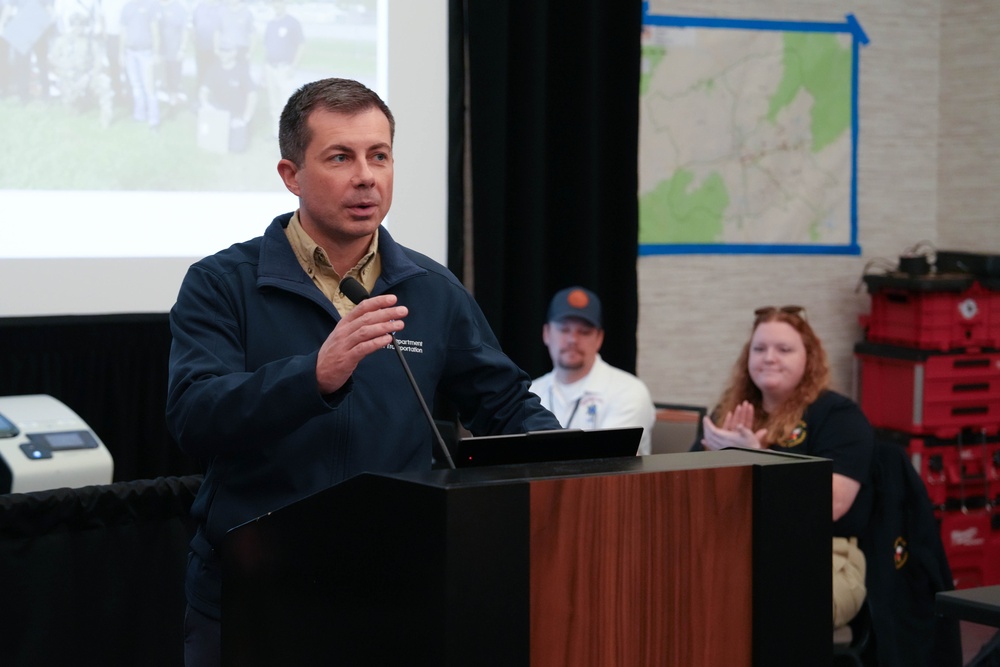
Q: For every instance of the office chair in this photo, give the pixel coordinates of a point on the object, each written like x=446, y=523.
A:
x=677, y=427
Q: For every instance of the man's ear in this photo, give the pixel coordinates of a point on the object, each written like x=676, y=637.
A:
x=288, y=172
x=545, y=333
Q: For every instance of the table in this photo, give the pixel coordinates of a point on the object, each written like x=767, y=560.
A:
x=978, y=605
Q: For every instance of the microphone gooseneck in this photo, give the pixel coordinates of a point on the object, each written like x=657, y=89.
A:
x=357, y=293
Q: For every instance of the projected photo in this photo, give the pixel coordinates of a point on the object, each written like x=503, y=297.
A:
x=138, y=135
x=164, y=95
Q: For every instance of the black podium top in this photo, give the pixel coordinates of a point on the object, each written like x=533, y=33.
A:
x=520, y=472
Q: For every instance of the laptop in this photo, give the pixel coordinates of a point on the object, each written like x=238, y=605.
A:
x=555, y=445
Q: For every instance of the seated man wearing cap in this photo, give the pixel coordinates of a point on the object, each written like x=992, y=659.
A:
x=584, y=391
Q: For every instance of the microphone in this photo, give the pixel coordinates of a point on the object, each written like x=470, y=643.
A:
x=357, y=293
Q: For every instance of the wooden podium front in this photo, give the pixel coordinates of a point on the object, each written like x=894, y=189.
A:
x=709, y=558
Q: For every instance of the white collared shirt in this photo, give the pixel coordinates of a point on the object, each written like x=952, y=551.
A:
x=607, y=397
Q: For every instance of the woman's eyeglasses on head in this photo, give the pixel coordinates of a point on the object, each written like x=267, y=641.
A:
x=767, y=311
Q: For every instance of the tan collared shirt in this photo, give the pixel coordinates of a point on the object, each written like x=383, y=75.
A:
x=316, y=263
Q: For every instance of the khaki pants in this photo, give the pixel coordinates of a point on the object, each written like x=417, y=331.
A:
x=848, y=580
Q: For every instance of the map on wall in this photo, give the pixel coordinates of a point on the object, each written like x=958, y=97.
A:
x=748, y=136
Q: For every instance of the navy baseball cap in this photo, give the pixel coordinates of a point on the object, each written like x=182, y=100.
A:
x=576, y=302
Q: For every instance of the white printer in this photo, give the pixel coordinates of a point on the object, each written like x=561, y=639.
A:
x=45, y=445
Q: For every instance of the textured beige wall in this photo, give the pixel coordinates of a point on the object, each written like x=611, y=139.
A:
x=928, y=171
x=969, y=133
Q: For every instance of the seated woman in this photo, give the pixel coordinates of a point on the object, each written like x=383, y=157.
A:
x=778, y=398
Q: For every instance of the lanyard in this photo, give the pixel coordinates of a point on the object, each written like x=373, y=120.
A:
x=571, y=414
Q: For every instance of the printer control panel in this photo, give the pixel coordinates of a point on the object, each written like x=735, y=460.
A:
x=41, y=445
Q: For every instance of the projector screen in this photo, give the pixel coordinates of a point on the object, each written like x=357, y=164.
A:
x=104, y=211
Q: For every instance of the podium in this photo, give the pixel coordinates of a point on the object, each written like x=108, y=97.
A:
x=708, y=558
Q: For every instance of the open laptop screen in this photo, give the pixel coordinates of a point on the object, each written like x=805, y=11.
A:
x=555, y=445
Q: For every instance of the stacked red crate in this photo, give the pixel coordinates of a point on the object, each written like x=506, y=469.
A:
x=930, y=382
x=939, y=314
x=929, y=393
x=960, y=473
x=970, y=542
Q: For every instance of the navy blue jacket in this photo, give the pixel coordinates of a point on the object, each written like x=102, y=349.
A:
x=247, y=328
x=906, y=567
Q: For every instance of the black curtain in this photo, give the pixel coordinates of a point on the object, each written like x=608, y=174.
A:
x=95, y=576
x=551, y=91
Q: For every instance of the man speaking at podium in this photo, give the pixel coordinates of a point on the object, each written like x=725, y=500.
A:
x=281, y=384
